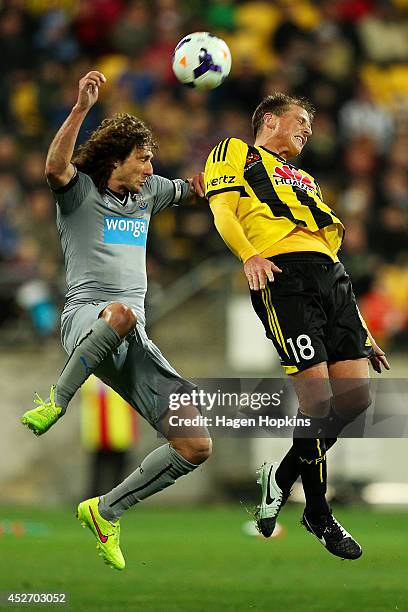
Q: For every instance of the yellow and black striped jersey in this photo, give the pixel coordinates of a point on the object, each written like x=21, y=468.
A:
x=276, y=198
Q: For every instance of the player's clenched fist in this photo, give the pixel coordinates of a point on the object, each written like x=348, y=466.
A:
x=258, y=270
x=89, y=89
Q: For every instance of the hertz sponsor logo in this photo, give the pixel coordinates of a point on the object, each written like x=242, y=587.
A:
x=122, y=230
x=226, y=180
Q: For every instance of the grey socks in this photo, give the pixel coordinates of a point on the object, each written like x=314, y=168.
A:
x=84, y=359
x=159, y=470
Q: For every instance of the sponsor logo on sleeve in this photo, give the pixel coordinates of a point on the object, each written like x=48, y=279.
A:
x=122, y=230
x=227, y=179
x=252, y=158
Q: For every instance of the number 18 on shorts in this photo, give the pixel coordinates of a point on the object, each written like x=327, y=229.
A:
x=310, y=314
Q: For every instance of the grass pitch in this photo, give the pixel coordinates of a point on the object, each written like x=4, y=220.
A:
x=200, y=560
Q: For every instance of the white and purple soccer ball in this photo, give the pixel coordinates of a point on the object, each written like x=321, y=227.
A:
x=201, y=60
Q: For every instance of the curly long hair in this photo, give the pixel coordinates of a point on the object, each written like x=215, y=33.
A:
x=112, y=142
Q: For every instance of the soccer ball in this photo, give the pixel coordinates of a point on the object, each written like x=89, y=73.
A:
x=201, y=60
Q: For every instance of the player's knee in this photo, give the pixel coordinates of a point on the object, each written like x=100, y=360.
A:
x=314, y=407
x=121, y=317
x=195, y=450
x=352, y=404
x=200, y=450
x=362, y=401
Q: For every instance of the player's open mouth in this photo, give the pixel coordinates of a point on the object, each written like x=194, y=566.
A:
x=301, y=140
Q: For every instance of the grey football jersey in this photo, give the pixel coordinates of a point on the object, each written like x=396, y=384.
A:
x=104, y=239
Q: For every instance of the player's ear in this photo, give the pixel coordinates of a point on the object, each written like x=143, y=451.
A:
x=270, y=120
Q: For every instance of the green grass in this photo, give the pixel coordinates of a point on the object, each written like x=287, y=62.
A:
x=199, y=560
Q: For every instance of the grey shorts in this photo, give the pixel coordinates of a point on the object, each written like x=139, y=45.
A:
x=136, y=369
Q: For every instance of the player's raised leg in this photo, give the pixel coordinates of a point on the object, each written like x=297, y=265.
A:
x=187, y=448
x=107, y=332
x=160, y=469
x=311, y=449
x=307, y=456
x=351, y=397
x=277, y=489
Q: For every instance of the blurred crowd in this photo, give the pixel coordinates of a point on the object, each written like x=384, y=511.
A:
x=349, y=57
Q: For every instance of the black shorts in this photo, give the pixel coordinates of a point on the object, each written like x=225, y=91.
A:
x=310, y=313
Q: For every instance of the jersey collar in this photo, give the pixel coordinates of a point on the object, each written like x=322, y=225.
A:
x=122, y=198
x=274, y=154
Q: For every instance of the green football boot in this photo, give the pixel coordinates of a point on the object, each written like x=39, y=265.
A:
x=107, y=534
x=40, y=419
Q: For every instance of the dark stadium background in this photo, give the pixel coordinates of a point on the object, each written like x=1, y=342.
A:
x=350, y=58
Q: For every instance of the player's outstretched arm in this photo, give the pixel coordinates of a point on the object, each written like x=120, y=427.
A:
x=257, y=269
x=58, y=167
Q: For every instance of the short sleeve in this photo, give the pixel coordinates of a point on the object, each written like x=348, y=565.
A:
x=224, y=170
x=70, y=196
x=167, y=192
